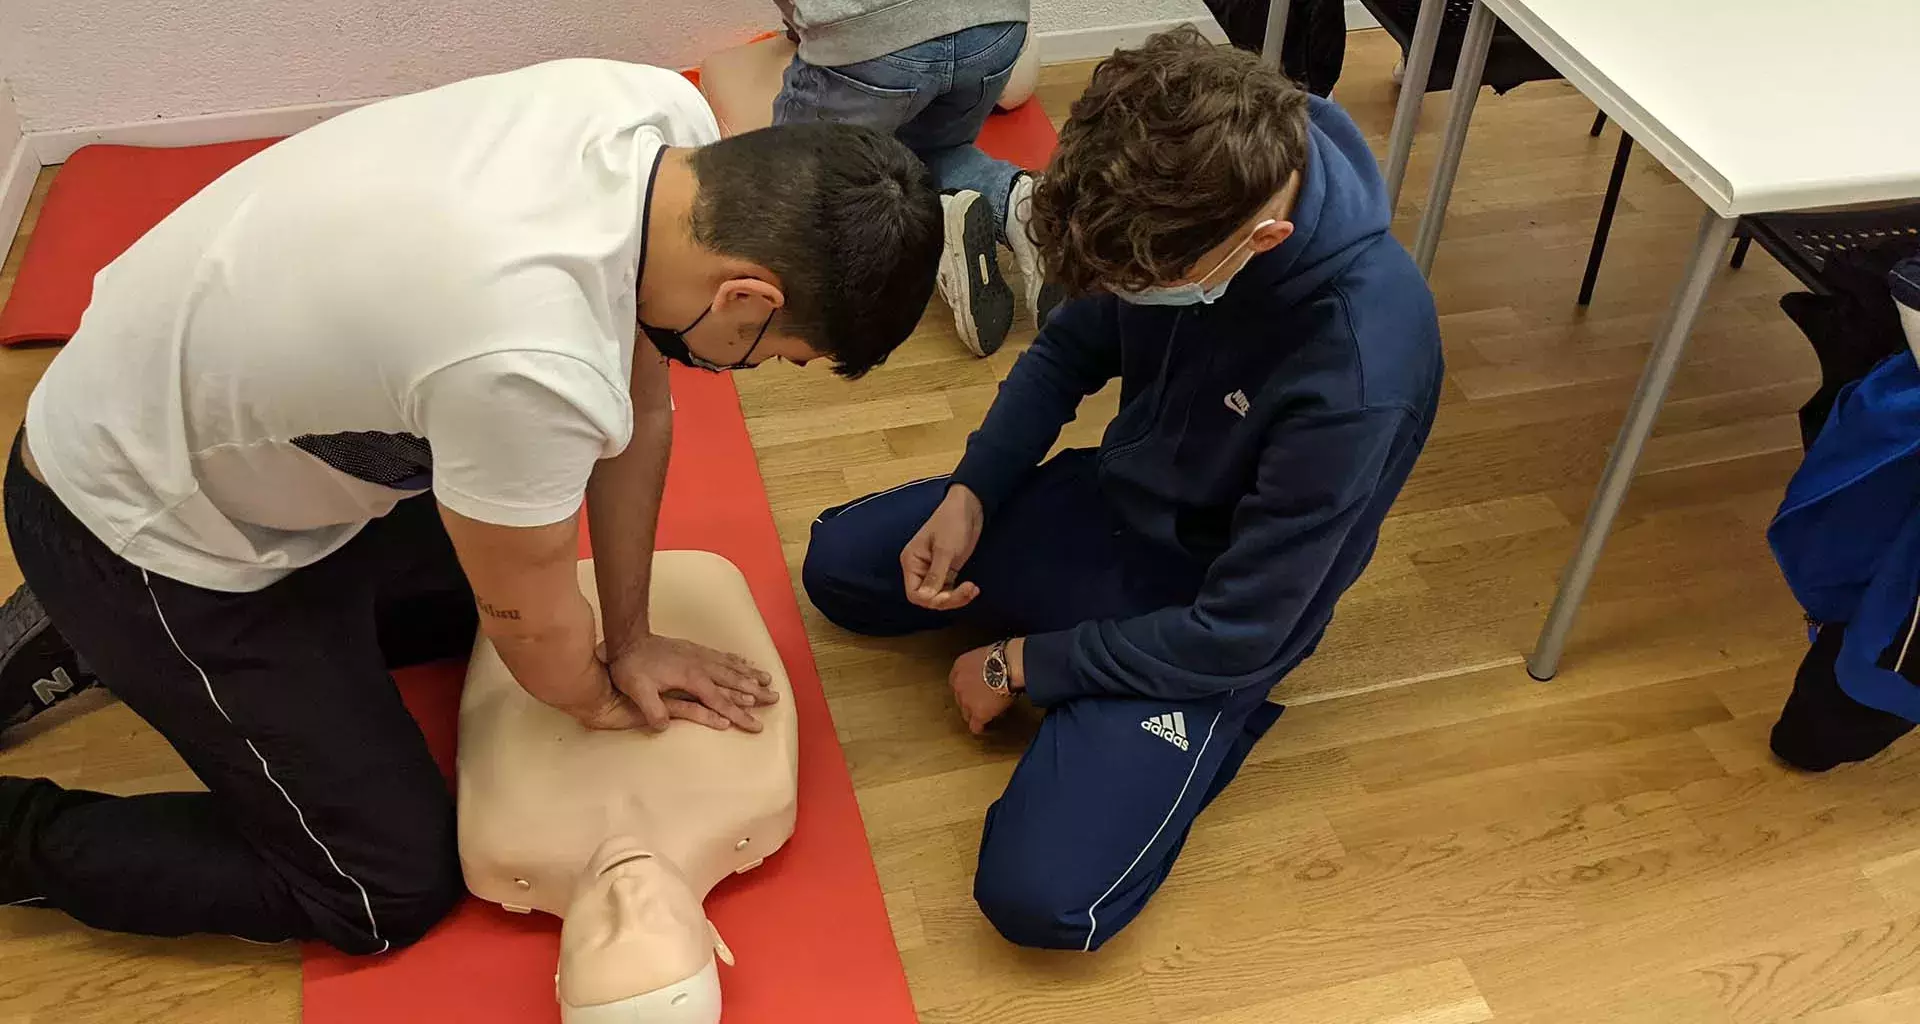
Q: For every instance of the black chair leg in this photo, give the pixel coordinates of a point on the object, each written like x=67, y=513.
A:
x=1599, y=123
x=1601, y=229
x=1740, y=250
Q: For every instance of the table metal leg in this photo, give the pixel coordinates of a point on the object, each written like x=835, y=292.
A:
x=1708, y=251
x=1466, y=91
x=1277, y=12
x=1413, y=90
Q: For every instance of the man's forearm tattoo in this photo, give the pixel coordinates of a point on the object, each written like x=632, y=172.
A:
x=496, y=612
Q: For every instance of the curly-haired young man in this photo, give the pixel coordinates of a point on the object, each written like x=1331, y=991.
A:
x=1279, y=365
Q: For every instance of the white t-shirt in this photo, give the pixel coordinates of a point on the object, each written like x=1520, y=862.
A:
x=434, y=291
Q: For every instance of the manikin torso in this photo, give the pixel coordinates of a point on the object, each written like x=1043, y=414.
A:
x=624, y=834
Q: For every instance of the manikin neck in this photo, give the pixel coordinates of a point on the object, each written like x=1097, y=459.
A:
x=620, y=851
x=677, y=849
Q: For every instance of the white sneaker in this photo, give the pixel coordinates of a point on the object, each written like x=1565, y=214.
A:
x=1400, y=71
x=1042, y=295
x=970, y=278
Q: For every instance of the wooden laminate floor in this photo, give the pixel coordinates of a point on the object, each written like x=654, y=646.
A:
x=1428, y=836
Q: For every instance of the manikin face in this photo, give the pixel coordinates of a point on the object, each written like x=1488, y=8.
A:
x=636, y=935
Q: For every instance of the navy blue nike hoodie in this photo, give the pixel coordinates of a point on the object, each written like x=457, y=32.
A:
x=1264, y=435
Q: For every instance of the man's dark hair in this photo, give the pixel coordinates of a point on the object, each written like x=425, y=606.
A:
x=1172, y=146
x=846, y=216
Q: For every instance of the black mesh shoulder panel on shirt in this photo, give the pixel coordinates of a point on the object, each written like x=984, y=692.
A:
x=390, y=460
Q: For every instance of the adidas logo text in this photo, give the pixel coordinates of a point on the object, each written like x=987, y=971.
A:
x=1172, y=728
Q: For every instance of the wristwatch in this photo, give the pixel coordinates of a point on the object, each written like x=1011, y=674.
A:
x=997, y=673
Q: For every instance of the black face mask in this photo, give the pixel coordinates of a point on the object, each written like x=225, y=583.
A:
x=673, y=344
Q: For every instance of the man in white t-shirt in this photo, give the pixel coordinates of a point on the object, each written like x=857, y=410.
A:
x=350, y=400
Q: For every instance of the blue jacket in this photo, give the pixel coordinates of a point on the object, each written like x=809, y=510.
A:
x=1847, y=536
x=1264, y=436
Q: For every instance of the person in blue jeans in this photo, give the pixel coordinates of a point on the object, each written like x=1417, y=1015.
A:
x=930, y=71
x=1279, y=365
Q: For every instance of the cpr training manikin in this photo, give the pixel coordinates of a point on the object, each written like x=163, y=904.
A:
x=623, y=834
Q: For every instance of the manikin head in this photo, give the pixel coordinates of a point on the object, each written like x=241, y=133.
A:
x=796, y=242
x=636, y=947
x=1179, y=164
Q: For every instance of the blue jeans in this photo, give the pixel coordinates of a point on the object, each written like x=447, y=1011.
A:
x=933, y=96
x=1103, y=799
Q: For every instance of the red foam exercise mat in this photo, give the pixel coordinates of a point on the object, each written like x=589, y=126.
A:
x=809, y=927
x=1022, y=136
x=101, y=202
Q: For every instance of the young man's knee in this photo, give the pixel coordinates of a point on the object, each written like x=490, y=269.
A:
x=406, y=919
x=367, y=918
x=841, y=580
x=823, y=574
x=1028, y=906
x=372, y=904
x=1031, y=902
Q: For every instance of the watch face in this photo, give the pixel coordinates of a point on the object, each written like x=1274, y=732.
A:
x=996, y=671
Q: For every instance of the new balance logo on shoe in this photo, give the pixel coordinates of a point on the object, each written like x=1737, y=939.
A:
x=46, y=690
x=1239, y=404
x=1172, y=728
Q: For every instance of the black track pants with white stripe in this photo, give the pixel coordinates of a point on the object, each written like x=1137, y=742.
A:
x=325, y=816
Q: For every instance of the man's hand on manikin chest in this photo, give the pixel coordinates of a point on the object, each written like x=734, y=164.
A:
x=681, y=679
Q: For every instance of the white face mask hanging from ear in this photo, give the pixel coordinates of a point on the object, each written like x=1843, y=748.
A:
x=1193, y=292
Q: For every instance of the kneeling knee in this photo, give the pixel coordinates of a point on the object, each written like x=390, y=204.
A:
x=821, y=579
x=405, y=919
x=370, y=917
x=840, y=579
x=1026, y=905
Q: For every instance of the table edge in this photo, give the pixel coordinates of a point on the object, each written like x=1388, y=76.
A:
x=1693, y=171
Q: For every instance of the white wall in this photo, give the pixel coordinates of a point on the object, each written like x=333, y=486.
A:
x=93, y=63
x=17, y=167
x=1076, y=15
x=1083, y=29
x=102, y=62
x=1060, y=15
x=10, y=129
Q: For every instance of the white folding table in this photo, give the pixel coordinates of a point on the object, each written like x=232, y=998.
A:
x=1758, y=106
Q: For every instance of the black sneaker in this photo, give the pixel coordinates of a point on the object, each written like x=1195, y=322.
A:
x=37, y=668
x=970, y=280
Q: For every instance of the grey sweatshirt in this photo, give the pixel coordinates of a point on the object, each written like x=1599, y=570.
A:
x=837, y=32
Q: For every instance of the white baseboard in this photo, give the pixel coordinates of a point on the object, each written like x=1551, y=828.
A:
x=53, y=147
x=17, y=172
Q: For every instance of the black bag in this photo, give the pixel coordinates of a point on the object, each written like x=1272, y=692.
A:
x=1822, y=727
x=1316, y=43
x=1852, y=325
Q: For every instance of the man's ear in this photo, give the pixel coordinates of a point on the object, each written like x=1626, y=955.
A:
x=752, y=283
x=1270, y=235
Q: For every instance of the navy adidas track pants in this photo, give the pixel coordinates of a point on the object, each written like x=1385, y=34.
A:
x=1102, y=801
